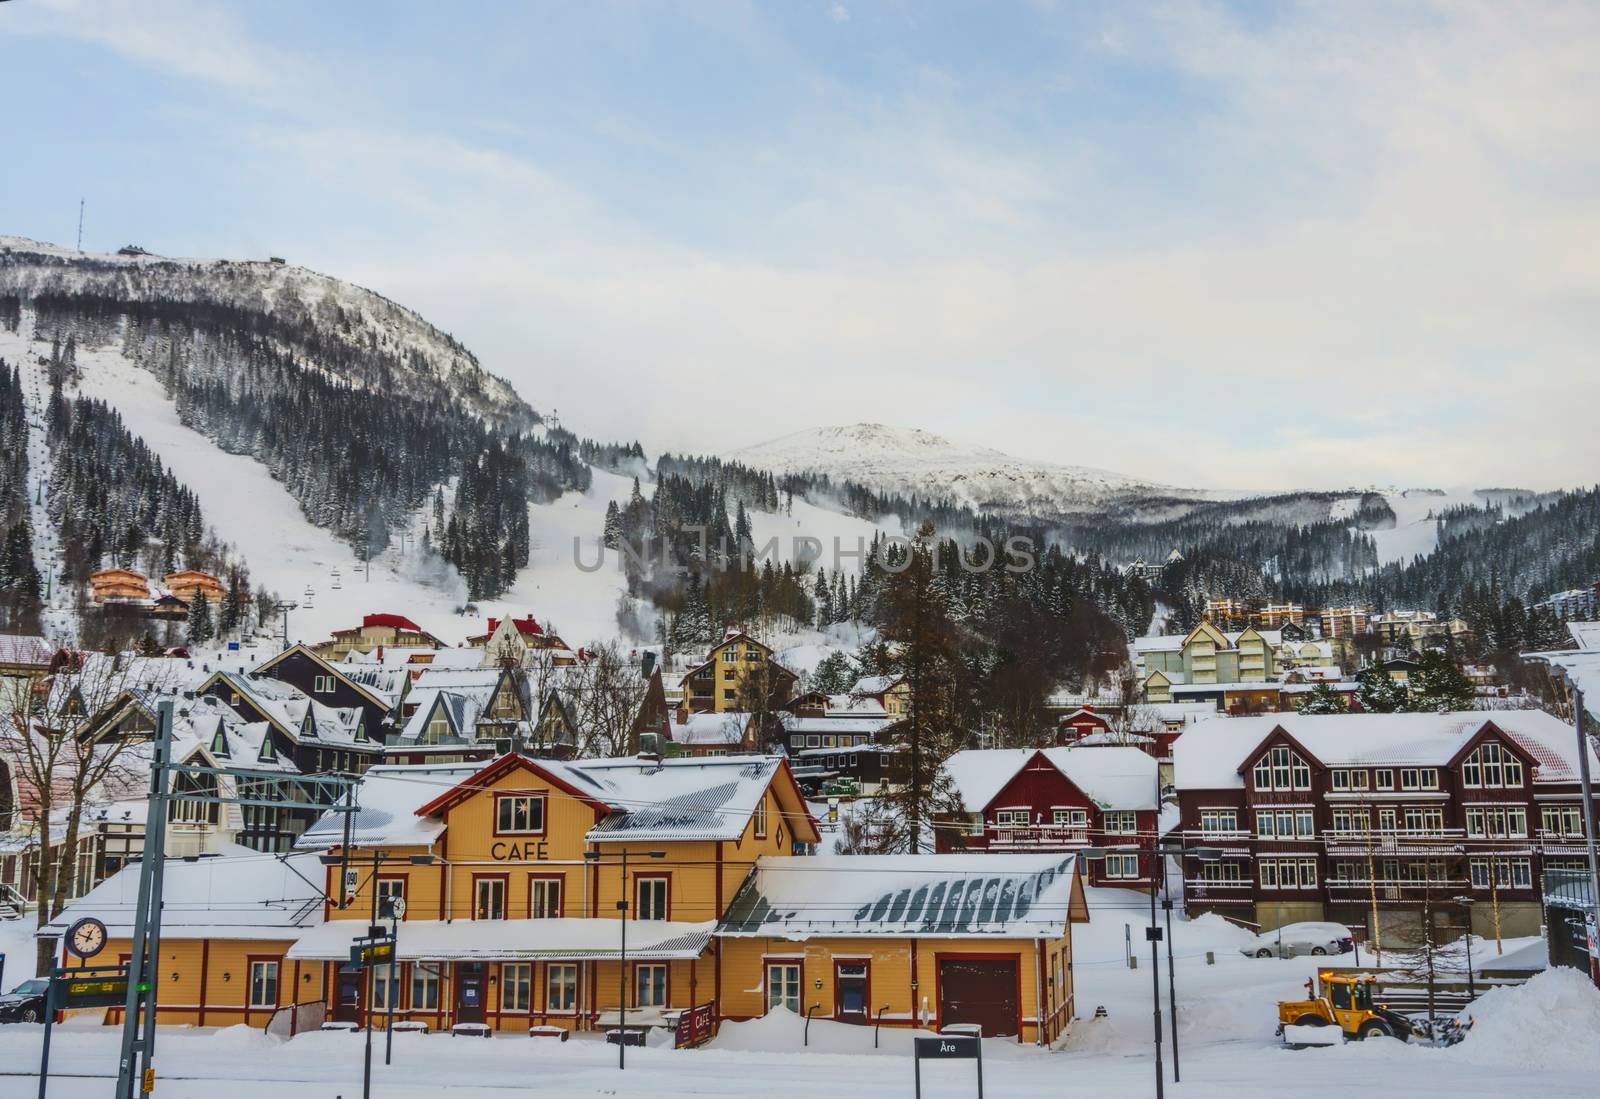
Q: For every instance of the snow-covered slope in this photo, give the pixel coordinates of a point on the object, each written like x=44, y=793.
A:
x=911, y=461
x=420, y=359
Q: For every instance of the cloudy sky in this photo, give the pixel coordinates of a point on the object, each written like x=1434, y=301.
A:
x=1255, y=246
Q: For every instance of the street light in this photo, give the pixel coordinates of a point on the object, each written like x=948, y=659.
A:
x=622, y=960
x=374, y=859
x=1153, y=935
x=1466, y=902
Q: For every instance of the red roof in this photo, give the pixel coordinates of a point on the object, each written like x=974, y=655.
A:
x=524, y=625
x=395, y=621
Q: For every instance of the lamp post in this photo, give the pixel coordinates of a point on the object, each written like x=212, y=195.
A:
x=1153, y=934
x=622, y=959
x=1466, y=903
x=374, y=859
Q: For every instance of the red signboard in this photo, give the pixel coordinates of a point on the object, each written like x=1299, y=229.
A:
x=694, y=1026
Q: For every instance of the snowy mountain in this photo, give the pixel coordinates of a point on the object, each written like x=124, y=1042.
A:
x=914, y=462
x=356, y=335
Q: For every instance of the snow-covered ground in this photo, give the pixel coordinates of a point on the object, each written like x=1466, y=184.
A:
x=1530, y=1041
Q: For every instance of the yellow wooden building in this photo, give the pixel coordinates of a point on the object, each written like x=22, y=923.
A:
x=737, y=674
x=515, y=896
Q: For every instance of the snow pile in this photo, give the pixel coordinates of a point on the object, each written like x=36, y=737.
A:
x=1550, y=1021
x=242, y=1037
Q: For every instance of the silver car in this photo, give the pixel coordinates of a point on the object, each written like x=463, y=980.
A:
x=1295, y=939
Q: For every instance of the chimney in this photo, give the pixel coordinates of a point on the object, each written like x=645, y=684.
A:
x=647, y=663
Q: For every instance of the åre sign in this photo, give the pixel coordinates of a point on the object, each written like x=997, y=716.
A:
x=518, y=852
x=946, y=1047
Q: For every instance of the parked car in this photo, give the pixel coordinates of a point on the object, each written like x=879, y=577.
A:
x=25, y=1003
x=1294, y=939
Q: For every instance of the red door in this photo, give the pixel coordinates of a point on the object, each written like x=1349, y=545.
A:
x=981, y=991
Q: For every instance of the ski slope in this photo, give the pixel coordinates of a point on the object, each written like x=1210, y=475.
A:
x=305, y=564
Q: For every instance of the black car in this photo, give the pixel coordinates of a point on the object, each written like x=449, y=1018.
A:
x=25, y=1003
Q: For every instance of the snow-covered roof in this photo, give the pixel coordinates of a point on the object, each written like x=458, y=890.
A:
x=240, y=894
x=676, y=799
x=1173, y=642
x=874, y=684
x=384, y=682
x=793, y=723
x=431, y=676
x=724, y=728
x=387, y=801
x=463, y=706
x=1210, y=754
x=950, y=896
x=1586, y=635
x=22, y=649
x=565, y=939
x=1113, y=777
x=649, y=800
x=289, y=706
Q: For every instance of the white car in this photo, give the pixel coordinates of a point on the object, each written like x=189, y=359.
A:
x=1294, y=939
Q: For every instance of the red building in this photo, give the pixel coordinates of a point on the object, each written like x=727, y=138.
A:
x=1057, y=799
x=1390, y=818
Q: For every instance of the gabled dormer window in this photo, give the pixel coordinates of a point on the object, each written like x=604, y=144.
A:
x=219, y=743
x=268, y=752
x=1491, y=766
x=307, y=726
x=1282, y=769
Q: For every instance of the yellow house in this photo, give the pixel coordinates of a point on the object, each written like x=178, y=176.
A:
x=516, y=921
x=226, y=929
x=931, y=940
x=738, y=674
x=516, y=898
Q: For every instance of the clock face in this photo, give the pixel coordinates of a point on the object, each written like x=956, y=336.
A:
x=397, y=907
x=86, y=938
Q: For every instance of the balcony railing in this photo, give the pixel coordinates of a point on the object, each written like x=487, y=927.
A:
x=1038, y=836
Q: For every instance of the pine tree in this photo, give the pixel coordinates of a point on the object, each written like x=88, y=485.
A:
x=199, y=623
x=1378, y=693
x=611, y=535
x=1322, y=699
x=1440, y=685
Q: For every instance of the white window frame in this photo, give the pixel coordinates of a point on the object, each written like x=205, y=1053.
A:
x=561, y=980
x=264, y=974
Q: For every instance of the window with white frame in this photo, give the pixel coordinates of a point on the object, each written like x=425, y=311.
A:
x=1219, y=821
x=489, y=899
x=264, y=983
x=1419, y=778
x=1122, y=866
x=516, y=986
x=1383, y=778
x=783, y=986
x=1504, y=873
x=649, y=986
x=761, y=818
x=1563, y=820
x=1119, y=822
x=1351, y=820
x=1491, y=765
x=425, y=986
x=561, y=989
x=1221, y=872
x=651, y=895
x=1012, y=818
x=518, y=814
x=1345, y=779
x=1075, y=819
x=1497, y=822
x=322, y=684
x=1281, y=769
x=1423, y=820
x=544, y=898
x=381, y=989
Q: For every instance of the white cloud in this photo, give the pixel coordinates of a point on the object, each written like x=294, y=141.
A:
x=838, y=13
x=1377, y=259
